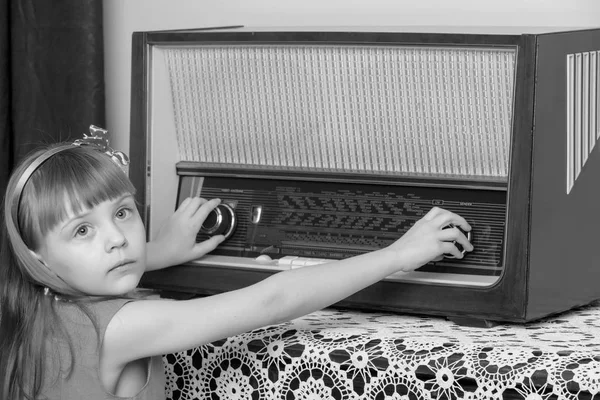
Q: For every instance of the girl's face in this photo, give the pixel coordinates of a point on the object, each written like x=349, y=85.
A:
x=100, y=251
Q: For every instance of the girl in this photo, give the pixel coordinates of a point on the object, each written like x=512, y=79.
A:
x=72, y=323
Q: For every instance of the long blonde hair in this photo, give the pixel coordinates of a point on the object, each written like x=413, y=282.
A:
x=28, y=317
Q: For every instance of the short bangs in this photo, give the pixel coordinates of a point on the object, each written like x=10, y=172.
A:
x=85, y=177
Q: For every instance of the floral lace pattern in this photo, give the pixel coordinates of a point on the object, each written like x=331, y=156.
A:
x=334, y=354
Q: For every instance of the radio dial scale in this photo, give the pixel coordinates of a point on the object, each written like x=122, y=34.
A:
x=313, y=217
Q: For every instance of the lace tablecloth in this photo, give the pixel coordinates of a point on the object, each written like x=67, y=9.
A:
x=333, y=354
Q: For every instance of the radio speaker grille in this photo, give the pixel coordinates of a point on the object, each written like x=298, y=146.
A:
x=402, y=110
x=583, y=101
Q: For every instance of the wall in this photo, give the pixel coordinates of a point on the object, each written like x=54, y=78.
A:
x=122, y=17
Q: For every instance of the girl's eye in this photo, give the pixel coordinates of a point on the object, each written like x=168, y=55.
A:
x=123, y=213
x=82, y=231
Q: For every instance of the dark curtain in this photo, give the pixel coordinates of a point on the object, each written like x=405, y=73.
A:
x=51, y=74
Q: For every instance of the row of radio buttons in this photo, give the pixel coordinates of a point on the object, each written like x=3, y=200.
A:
x=292, y=262
x=298, y=262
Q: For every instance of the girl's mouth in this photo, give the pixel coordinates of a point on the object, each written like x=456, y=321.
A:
x=121, y=264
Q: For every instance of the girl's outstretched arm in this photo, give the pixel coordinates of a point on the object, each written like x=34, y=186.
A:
x=175, y=242
x=153, y=327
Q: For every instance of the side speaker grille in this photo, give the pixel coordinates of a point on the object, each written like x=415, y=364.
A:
x=583, y=100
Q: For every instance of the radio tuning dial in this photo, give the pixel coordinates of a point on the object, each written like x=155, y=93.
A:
x=220, y=221
x=460, y=248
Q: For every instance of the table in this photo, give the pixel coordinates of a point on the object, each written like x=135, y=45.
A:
x=341, y=354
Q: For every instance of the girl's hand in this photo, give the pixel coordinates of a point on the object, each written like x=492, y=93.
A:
x=175, y=242
x=430, y=238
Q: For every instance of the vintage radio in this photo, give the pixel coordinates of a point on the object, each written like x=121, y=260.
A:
x=324, y=144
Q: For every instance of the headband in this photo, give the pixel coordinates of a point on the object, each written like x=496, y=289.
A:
x=98, y=139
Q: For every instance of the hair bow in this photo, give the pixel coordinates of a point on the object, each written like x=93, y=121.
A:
x=98, y=138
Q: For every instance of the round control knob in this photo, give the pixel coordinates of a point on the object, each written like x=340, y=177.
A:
x=458, y=245
x=220, y=221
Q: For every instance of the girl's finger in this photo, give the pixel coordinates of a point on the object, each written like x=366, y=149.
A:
x=439, y=258
x=464, y=242
x=450, y=249
x=434, y=212
x=449, y=234
x=193, y=206
x=184, y=203
x=449, y=218
x=204, y=209
x=207, y=246
x=455, y=235
x=190, y=205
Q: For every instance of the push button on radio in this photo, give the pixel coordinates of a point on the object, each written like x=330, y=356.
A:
x=220, y=221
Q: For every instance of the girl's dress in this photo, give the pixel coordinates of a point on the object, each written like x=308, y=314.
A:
x=84, y=381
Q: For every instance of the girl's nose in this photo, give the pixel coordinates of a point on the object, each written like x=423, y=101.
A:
x=115, y=238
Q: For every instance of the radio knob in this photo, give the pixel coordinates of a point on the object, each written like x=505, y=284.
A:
x=458, y=246
x=220, y=221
